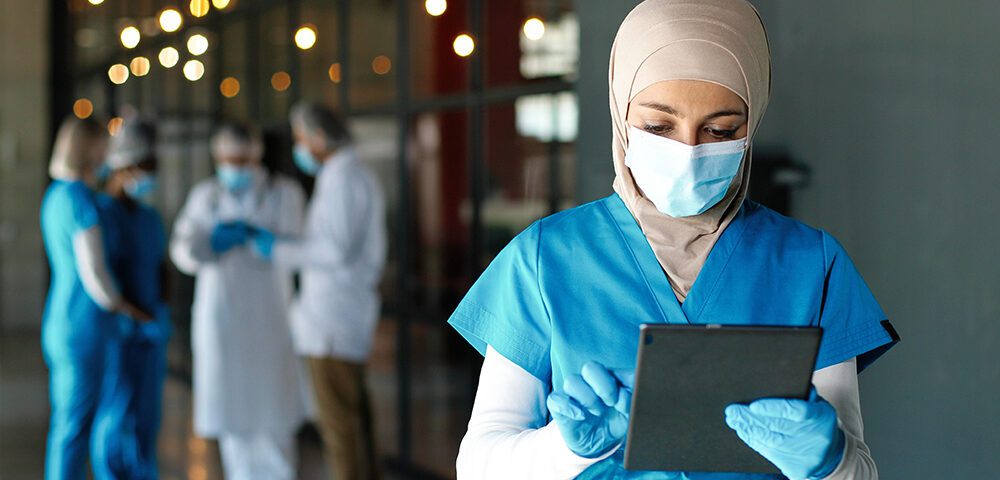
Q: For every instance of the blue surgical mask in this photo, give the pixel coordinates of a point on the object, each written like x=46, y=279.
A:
x=235, y=179
x=682, y=180
x=305, y=160
x=141, y=187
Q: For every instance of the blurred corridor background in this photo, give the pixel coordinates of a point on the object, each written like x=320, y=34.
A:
x=481, y=116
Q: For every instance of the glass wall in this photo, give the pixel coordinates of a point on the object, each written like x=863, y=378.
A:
x=464, y=108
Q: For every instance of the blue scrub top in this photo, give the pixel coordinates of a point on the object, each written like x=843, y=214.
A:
x=73, y=326
x=137, y=243
x=577, y=285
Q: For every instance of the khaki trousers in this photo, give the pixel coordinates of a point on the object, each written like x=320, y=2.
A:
x=345, y=418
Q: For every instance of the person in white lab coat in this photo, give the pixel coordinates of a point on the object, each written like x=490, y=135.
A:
x=340, y=257
x=246, y=383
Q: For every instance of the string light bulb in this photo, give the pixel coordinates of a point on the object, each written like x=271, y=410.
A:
x=130, y=37
x=305, y=37
x=436, y=8
x=534, y=28
x=118, y=74
x=171, y=20
x=193, y=70
x=464, y=45
x=197, y=44
x=169, y=57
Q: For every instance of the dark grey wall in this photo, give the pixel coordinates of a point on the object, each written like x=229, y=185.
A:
x=893, y=104
x=599, y=21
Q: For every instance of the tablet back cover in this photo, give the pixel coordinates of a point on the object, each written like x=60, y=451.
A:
x=688, y=374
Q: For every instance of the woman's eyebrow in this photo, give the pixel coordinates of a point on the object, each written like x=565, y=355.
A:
x=662, y=107
x=726, y=113
x=668, y=109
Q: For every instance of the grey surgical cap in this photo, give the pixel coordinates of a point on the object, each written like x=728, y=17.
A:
x=132, y=145
x=320, y=120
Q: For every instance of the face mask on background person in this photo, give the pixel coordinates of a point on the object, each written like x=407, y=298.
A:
x=682, y=180
x=141, y=187
x=233, y=178
x=305, y=160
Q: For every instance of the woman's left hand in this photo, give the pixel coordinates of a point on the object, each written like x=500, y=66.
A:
x=800, y=437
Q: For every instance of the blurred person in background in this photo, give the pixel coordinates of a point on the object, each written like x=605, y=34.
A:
x=246, y=379
x=80, y=326
x=340, y=257
x=128, y=421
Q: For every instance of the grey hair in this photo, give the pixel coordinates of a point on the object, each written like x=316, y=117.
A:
x=71, y=154
x=320, y=120
x=237, y=138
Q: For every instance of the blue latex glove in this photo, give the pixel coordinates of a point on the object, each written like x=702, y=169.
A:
x=226, y=236
x=263, y=243
x=800, y=437
x=592, y=409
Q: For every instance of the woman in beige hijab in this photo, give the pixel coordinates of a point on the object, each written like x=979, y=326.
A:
x=557, y=314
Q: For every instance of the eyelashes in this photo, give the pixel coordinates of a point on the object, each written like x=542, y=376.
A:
x=712, y=132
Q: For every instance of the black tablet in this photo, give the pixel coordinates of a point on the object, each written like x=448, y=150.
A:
x=686, y=375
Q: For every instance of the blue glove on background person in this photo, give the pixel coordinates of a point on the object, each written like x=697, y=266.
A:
x=263, y=243
x=226, y=236
x=592, y=409
x=800, y=437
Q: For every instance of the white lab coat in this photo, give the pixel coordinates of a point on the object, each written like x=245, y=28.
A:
x=246, y=378
x=340, y=256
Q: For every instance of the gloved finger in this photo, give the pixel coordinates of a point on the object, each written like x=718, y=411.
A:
x=787, y=408
x=626, y=377
x=563, y=407
x=752, y=429
x=601, y=381
x=624, y=403
x=776, y=425
x=755, y=436
x=575, y=386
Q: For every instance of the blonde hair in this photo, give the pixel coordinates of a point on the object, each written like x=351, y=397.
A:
x=71, y=153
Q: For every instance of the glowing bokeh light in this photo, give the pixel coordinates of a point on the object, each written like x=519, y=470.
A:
x=139, y=66
x=464, y=45
x=118, y=74
x=220, y=4
x=334, y=73
x=197, y=44
x=130, y=37
x=115, y=125
x=305, y=37
x=280, y=81
x=193, y=70
x=171, y=20
x=83, y=108
x=381, y=65
x=436, y=8
x=199, y=8
x=230, y=87
x=534, y=28
x=169, y=57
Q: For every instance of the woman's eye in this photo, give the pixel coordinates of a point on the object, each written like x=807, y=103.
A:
x=657, y=129
x=722, y=134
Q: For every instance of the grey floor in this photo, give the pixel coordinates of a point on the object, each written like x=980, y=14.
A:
x=441, y=399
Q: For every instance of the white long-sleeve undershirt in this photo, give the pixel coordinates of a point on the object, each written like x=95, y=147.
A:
x=88, y=249
x=508, y=436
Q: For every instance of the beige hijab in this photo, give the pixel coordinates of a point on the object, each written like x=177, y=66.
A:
x=718, y=41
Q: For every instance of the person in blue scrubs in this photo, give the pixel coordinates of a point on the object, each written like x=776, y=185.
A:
x=128, y=420
x=79, y=325
x=557, y=313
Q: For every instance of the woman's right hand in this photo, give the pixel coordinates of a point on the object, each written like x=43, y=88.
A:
x=592, y=409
